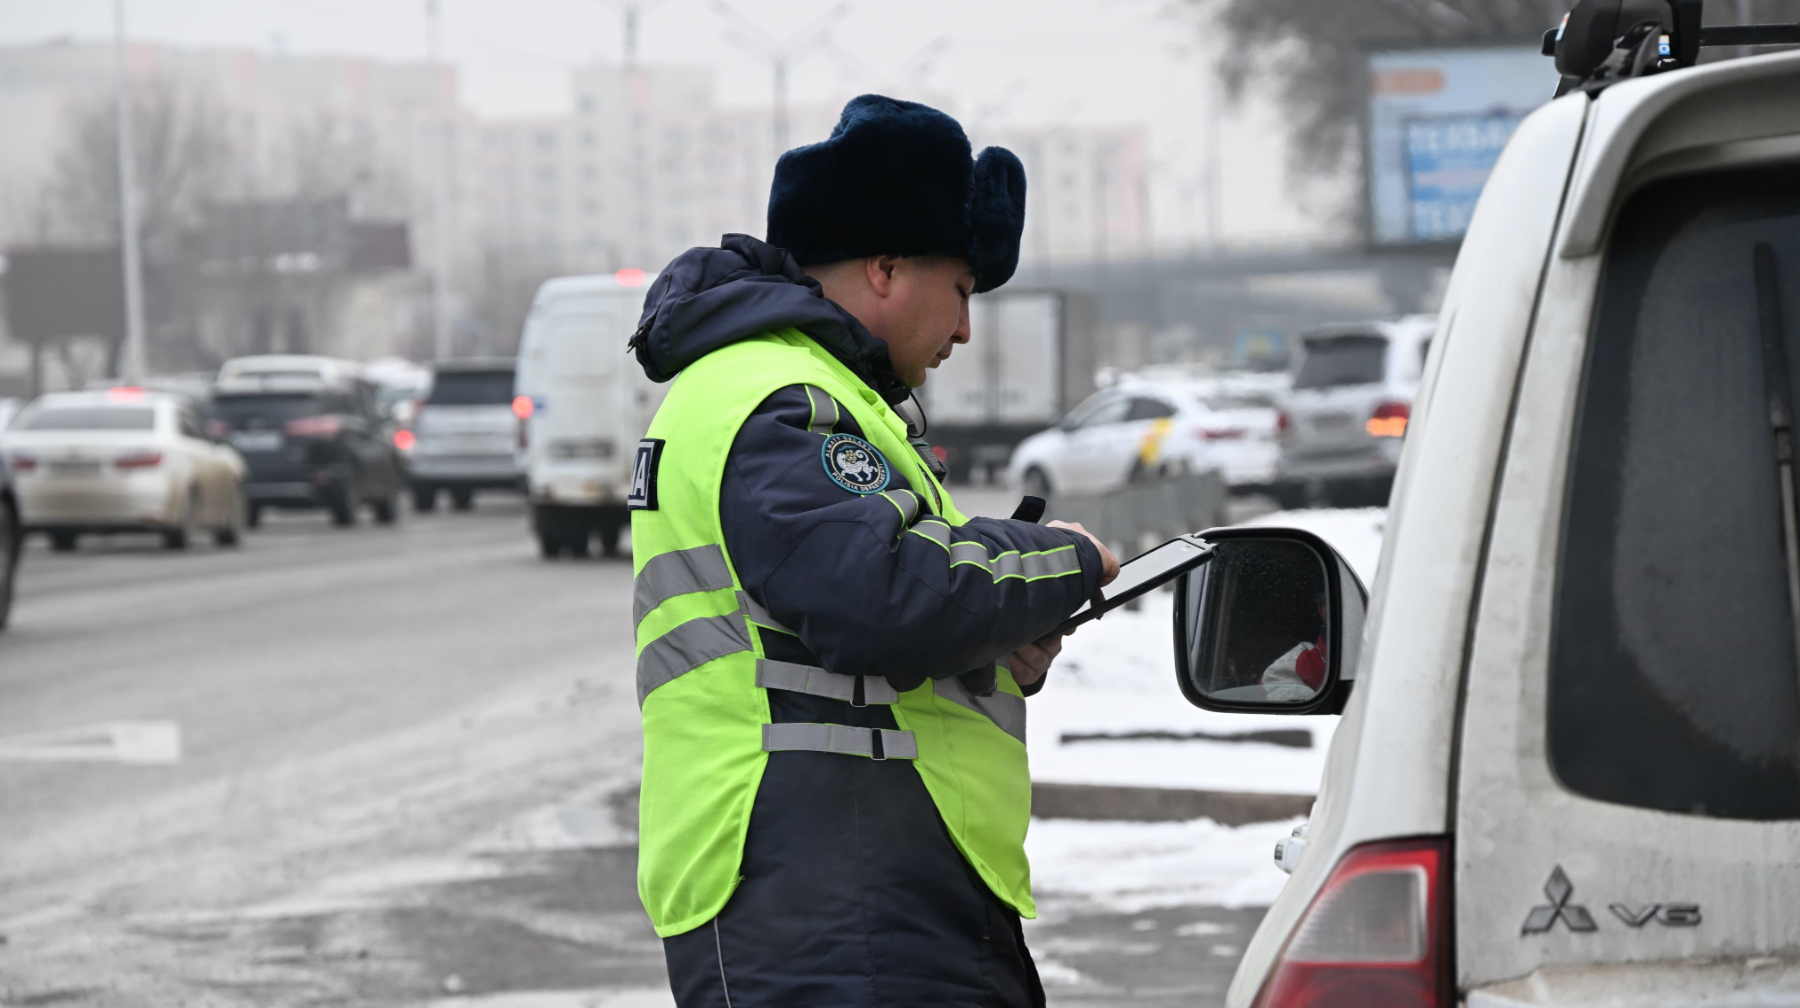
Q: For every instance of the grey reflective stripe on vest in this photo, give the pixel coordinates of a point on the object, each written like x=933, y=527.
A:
x=689, y=646
x=936, y=530
x=680, y=572
x=760, y=615
x=771, y=674
x=837, y=738
x=1011, y=564
x=824, y=410
x=1005, y=710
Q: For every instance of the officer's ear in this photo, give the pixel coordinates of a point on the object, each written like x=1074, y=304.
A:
x=880, y=271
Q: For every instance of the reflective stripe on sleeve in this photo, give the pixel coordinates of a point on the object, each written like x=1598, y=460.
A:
x=771, y=674
x=688, y=646
x=934, y=529
x=845, y=739
x=1030, y=566
x=907, y=502
x=679, y=572
x=824, y=411
x=1004, y=709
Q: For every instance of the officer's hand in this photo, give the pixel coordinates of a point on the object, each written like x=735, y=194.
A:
x=1109, y=564
x=1030, y=662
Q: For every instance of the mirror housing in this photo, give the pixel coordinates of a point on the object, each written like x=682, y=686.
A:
x=1274, y=567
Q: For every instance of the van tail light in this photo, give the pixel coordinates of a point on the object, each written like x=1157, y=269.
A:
x=1389, y=419
x=313, y=427
x=1378, y=933
x=22, y=463
x=404, y=440
x=523, y=406
x=1283, y=422
x=139, y=460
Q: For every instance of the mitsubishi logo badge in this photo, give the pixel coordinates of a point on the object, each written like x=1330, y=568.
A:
x=1558, y=889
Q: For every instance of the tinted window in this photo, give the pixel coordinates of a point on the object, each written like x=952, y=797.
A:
x=272, y=410
x=1342, y=360
x=137, y=418
x=1149, y=409
x=1109, y=412
x=1673, y=682
x=472, y=388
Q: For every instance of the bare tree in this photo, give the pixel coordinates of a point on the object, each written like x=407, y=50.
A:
x=1308, y=54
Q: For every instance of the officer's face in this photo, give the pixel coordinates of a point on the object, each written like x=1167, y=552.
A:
x=927, y=313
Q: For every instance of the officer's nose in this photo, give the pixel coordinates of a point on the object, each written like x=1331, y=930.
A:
x=961, y=335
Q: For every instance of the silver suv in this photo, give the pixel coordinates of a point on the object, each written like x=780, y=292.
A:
x=465, y=433
x=1351, y=400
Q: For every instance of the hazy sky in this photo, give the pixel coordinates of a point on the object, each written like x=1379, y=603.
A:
x=1024, y=61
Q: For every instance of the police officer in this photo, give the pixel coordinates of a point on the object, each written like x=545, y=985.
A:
x=832, y=660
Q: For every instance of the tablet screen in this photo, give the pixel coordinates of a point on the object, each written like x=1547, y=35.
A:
x=1144, y=572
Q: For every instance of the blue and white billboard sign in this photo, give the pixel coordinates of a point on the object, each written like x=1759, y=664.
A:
x=1438, y=119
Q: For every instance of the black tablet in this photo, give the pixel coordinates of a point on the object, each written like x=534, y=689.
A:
x=1142, y=573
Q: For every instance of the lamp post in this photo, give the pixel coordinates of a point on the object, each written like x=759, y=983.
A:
x=132, y=365
x=780, y=53
x=440, y=188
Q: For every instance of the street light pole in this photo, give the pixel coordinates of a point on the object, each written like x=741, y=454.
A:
x=780, y=54
x=440, y=190
x=133, y=365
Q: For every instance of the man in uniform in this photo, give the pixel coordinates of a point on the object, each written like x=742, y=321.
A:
x=832, y=660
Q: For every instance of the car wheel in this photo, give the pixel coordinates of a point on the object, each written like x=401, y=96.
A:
x=424, y=499
x=343, y=510
x=577, y=545
x=388, y=508
x=9, y=557
x=253, y=516
x=549, y=546
x=229, y=533
x=462, y=499
x=64, y=542
x=177, y=538
x=1035, y=483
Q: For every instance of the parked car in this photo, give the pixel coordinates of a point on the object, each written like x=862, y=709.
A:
x=1348, y=410
x=123, y=460
x=1137, y=426
x=582, y=406
x=12, y=537
x=1567, y=771
x=464, y=433
x=312, y=436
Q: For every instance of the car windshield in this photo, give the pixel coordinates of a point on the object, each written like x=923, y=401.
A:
x=1342, y=360
x=266, y=410
x=471, y=388
x=91, y=418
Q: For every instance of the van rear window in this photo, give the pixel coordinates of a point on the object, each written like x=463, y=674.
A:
x=471, y=388
x=1673, y=676
x=1342, y=360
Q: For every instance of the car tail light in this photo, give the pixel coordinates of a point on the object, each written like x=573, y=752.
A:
x=1283, y=422
x=404, y=440
x=1389, y=419
x=313, y=427
x=1378, y=933
x=139, y=460
x=22, y=463
x=523, y=407
x=1221, y=433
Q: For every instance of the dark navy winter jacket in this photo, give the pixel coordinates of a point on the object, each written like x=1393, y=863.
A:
x=863, y=595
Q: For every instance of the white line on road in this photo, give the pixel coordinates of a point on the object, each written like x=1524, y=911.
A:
x=136, y=742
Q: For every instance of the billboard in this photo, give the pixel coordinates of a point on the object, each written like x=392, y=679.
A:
x=1437, y=121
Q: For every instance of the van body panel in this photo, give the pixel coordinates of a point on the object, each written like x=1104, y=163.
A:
x=1389, y=768
x=1516, y=822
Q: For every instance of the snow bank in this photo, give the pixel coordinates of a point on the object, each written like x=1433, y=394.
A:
x=1129, y=867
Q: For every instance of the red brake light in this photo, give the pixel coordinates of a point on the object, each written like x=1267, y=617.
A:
x=1378, y=933
x=1221, y=433
x=1389, y=419
x=630, y=277
x=23, y=463
x=139, y=460
x=125, y=392
x=523, y=407
x=1283, y=422
x=313, y=427
x=404, y=440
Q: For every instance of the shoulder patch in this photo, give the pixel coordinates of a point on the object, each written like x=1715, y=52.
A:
x=855, y=464
x=642, y=495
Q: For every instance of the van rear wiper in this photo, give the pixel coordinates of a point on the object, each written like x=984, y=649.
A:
x=1781, y=419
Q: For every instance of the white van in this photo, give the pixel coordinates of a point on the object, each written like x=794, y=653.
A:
x=1569, y=770
x=583, y=403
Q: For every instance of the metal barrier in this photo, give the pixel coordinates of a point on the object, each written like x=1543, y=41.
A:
x=1146, y=512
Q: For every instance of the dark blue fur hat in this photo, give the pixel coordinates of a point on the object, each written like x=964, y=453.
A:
x=895, y=178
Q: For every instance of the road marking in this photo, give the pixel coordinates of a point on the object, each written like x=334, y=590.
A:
x=134, y=742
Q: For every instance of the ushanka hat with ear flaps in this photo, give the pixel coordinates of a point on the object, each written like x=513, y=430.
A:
x=896, y=178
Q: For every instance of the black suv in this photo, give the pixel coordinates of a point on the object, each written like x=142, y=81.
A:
x=312, y=445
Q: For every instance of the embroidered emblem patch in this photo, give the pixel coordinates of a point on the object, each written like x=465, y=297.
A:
x=855, y=464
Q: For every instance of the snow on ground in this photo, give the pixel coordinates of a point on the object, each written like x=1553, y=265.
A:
x=1118, y=675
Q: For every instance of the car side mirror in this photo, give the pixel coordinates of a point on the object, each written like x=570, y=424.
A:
x=1272, y=624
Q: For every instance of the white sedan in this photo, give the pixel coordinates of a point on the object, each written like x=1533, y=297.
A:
x=1142, y=426
x=123, y=460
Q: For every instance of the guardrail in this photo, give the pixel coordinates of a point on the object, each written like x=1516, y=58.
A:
x=1144, y=513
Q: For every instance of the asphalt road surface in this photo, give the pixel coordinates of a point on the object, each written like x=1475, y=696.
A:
x=373, y=766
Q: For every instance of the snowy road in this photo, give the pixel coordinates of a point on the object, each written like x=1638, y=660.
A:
x=401, y=752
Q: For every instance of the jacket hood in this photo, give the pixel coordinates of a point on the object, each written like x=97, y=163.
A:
x=713, y=297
